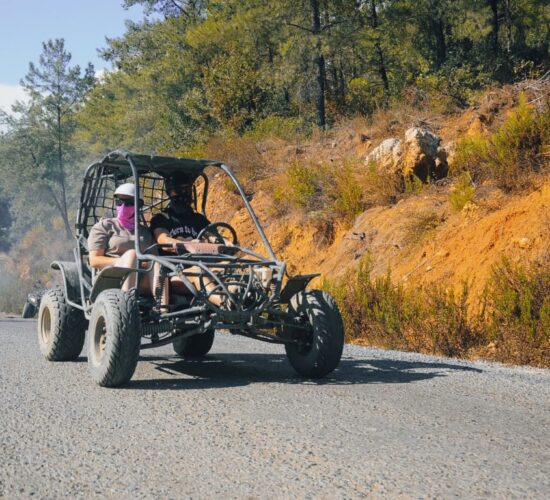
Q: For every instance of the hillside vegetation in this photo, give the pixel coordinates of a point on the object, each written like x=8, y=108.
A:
x=400, y=148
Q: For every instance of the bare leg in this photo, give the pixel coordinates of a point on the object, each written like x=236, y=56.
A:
x=179, y=287
x=128, y=259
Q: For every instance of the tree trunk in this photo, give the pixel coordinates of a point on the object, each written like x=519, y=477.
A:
x=496, y=26
x=440, y=43
x=508, y=22
x=381, y=63
x=320, y=63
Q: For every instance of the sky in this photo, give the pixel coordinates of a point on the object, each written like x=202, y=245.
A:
x=84, y=24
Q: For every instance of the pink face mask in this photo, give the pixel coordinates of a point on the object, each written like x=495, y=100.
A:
x=126, y=216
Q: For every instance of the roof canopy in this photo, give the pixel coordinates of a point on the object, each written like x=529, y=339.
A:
x=118, y=162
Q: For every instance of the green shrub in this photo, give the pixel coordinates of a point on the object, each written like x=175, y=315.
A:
x=462, y=193
x=434, y=320
x=513, y=153
x=344, y=194
x=517, y=303
x=380, y=189
x=229, y=185
x=279, y=127
x=450, y=87
x=413, y=184
x=302, y=185
x=514, y=320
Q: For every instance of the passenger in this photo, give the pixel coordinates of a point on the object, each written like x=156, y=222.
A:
x=112, y=240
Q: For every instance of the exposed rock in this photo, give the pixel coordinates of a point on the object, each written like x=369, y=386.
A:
x=419, y=154
x=423, y=156
x=387, y=156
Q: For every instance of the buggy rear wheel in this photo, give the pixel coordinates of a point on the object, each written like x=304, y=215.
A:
x=196, y=346
x=29, y=310
x=114, y=338
x=319, y=351
x=61, y=328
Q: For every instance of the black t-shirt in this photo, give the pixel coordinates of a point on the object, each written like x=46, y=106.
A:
x=179, y=226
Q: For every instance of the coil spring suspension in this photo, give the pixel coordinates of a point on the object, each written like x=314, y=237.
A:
x=154, y=330
x=273, y=288
x=159, y=288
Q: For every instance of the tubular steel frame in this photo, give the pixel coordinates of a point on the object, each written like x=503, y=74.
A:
x=257, y=318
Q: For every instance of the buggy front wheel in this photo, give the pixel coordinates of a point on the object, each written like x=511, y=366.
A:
x=315, y=353
x=114, y=338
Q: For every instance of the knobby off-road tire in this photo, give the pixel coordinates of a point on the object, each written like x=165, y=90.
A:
x=322, y=353
x=29, y=310
x=61, y=328
x=114, y=338
x=195, y=346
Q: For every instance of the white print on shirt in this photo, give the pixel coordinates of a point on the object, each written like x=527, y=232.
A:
x=183, y=230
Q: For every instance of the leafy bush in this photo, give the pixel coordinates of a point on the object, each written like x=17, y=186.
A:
x=514, y=321
x=303, y=185
x=450, y=87
x=392, y=316
x=333, y=192
x=279, y=127
x=513, y=153
x=462, y=192
x=241, y=154
x=380, y=189
x=344, y=194
x=517, y=302
x=412, y=184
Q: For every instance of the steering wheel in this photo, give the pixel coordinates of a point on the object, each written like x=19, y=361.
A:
x=212, y=230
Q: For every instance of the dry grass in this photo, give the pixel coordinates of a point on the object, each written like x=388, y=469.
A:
x=513, y=327
x=421, y=225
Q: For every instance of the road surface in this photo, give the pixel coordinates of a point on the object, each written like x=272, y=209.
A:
x=241, y=424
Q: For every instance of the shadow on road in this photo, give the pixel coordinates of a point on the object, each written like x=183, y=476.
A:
x=232, y=370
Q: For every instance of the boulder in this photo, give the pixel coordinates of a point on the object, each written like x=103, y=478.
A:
x=386, y=156
x=423, y=156
x=419, y=154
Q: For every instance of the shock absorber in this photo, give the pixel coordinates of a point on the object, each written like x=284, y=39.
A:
x=273, y=289
x=159, y=288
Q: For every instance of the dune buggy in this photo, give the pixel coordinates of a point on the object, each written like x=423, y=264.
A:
x=258, y=299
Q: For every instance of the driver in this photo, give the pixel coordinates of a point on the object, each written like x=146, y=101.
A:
x=179, y=222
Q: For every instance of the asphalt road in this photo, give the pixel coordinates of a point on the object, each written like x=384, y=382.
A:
x=241, y=424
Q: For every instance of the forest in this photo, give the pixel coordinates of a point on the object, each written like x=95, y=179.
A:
x=208, y=77
x=197, y=69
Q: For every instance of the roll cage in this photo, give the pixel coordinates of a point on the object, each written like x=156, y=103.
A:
x=250, y=284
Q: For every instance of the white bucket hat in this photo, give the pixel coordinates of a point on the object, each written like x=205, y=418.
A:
x=127, y=189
